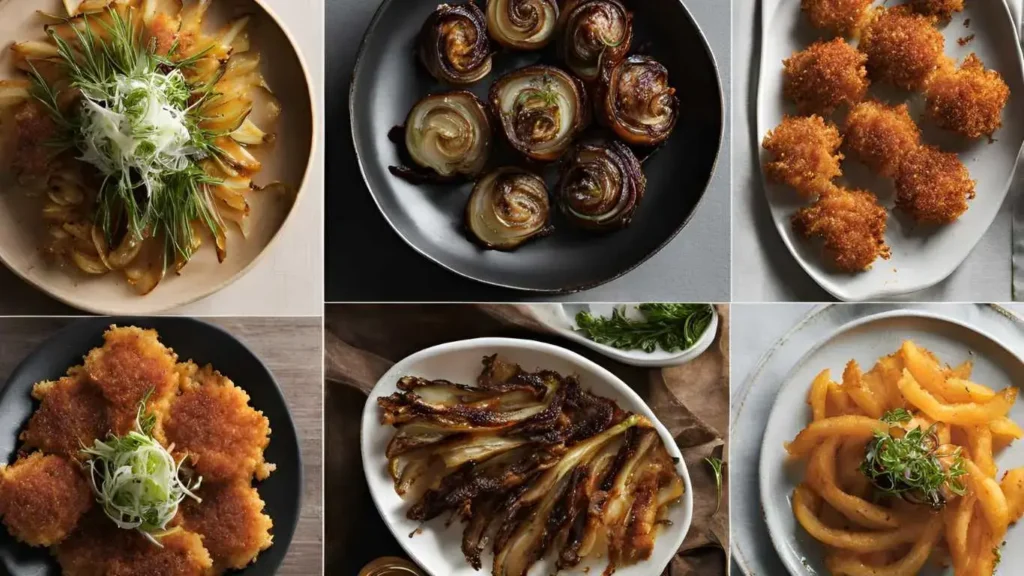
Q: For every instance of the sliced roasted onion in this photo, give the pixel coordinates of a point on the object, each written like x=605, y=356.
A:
x=508, y=207
x=600, y=185
x=636, y=101
x=453, y=44
x=595, y=32
x=522, y=24
x=541, y=109
x=449, y=133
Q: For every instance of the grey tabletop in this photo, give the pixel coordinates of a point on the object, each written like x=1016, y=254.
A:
x=367, y=261
x=764, y=269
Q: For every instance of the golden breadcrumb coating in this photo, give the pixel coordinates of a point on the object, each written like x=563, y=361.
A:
x=231, y=521
x=825, y=75
x=933, y=186
x=212, y=422
x=131, y=364
x=72, y=413
x=944, y=9
x=968, y=100
x=880, y=136
x=852, y=225
x=42, y=498
x=100, y=548
x=805, y=154
x=903, y=48
x=843, y=17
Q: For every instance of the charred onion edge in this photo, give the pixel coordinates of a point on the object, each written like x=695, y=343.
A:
x=432, y=45
x=633, y=184
x=481, y=188
x=634, y=133
x=574, y=16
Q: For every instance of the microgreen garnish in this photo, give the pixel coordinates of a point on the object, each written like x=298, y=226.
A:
x=673, y=327
x=716, y=469
x=897, y=416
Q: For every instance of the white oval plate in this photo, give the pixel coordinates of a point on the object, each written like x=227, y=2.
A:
x=866, y=340
x=920, y=259
x=437, y=549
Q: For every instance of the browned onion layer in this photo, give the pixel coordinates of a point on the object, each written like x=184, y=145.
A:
x=600, y=185
x=522, y=24
x=636, y=101
x=508, y=207
x=594, y=33
x=449, y=133
x=541, y=109
x=453, y=44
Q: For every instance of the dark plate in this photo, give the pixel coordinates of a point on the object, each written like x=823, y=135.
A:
x=388, y=81
x=203, y=343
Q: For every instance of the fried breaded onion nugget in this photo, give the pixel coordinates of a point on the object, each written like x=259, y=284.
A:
x=212, y=423
x=131, y=364
x=232, y=523
x=852, y=224
x=880, y=136
x=944, y=9
x=903, y=48
x=805, y=152
x=72, y=414
x=99, y=548
x=825, y=75
x=968, y=100
x=933, y=186
x=42, y=498
x=840, y=16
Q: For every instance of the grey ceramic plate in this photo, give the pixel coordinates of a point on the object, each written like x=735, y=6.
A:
x=388, y=80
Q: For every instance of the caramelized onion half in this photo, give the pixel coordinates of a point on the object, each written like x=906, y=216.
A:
x=541, y=109
x=600, y=185
x=522, y=24
x=453, y=44
x=508, y=207
x=595, y=32
x=636, y=101
x=449, y=133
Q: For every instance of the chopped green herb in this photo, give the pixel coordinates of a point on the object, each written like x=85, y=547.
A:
x=673, y=327
x=897, y=416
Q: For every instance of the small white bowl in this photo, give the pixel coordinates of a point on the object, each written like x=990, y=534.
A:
x=437, y=548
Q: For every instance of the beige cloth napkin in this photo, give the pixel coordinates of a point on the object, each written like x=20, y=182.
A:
x=363, y=341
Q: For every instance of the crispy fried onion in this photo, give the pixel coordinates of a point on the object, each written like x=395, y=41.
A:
x=594, y=32
x=449, y=133
x=522, y=24
x=636, y=101
x=508, y=207
x=541, y=109
x=453, y=44
x=552, y=469
x=601, y=185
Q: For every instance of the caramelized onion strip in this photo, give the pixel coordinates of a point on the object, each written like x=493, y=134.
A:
x=453, y=44
x=637, y=102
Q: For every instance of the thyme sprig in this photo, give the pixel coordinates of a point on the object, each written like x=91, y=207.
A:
x=716, y=468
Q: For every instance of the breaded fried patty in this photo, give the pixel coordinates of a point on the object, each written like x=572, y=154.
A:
x=880, y=136
x=825, y=75
x=805, y=153
x=131, y=364
x=840, y=16
x=944, y=9
x=100, y=548
x=42, y=498
x=968, y=100
x=231, y=521
x=213, y=423
x=72, y=414
x=933, y=186
x=852, y=225
x=903, y=48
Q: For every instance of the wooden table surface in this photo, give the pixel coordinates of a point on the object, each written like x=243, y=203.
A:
x=291, y=348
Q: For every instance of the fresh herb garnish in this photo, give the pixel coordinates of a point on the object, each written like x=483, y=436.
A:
x=137, y=121
x=673, y=327
x=716, y=468
x=136, y=480
x=912, y=465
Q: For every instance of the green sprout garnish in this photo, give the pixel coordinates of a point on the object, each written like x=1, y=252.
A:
x=136, y=480
x=674, y=327
x=912, y=465
x=716, y=469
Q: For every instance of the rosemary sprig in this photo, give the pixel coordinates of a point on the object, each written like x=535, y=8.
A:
x=716, y=469
x=673, y=327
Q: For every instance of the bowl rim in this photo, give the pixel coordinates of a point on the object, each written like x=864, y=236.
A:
x=369, y=418
x=358, y=147
x=314, y=142
x=779, y=541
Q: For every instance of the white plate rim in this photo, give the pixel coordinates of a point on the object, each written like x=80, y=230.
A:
x=788, y=382
x=815, y=271
x=387, y=383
